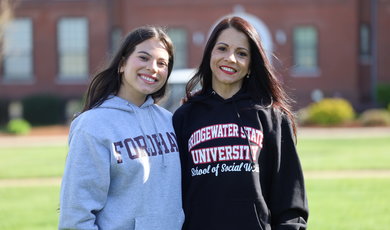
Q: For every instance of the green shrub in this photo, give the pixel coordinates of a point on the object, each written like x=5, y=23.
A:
x=330, y=111
x=375, y=117
x=18, y=126
x=383, y=94
x=44, y=109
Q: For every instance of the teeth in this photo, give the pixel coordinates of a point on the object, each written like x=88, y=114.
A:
x=148, y=78
x=228, y=69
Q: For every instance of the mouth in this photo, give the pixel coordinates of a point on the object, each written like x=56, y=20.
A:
x=228, y=70
x=148, y=78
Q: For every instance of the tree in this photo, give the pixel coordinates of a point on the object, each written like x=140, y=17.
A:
x=6, y=15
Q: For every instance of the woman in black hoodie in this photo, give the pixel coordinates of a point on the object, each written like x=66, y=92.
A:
x=236, y=138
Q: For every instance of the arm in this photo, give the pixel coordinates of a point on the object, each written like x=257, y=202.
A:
x=289, y=208
x=85, y=182
x=183, y=151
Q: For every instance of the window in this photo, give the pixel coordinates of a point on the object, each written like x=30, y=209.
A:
x=305, y=40
x=17, y=62
x=73, y=48
x=179, y=39
x=116, y=38
x=365, y=40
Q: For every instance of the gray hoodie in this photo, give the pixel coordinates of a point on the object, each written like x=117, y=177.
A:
x=122, y=170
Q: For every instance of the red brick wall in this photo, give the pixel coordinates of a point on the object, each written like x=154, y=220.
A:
x=341, y=72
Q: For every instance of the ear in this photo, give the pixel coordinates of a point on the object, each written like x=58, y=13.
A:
x=120, y=67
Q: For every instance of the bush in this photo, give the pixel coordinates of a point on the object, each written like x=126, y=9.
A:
x=330, y=112
x=44, y=109
x=375, y=117
x=383, y=94
x=18, y=126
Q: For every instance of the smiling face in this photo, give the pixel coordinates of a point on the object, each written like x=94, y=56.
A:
x=144, y=72
x=229, y=63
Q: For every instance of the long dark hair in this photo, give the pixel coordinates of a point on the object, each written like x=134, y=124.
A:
x=263, y=85
x=108, y=81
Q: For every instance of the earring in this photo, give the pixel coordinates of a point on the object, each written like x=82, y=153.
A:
x=247, y=75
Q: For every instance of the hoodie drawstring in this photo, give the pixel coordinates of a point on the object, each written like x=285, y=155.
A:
x=147, y=141
x=246, y=136
x=157, y=134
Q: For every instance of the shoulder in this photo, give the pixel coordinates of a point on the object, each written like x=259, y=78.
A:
x=273, y=118
x=162, y=111
x=182, y=114
x=182, y=110
x=88, y=121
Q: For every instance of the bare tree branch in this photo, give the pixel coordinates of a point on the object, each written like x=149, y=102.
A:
x=6, y=14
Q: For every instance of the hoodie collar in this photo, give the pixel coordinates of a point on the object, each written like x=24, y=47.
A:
x=211, y=97
x=115, y=102
x=146, y=109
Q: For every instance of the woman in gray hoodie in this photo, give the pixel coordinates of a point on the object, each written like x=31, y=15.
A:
x=123, y=169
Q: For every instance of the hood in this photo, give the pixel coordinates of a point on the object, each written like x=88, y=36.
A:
x=115, y=102
x=211, y=98
x=242, y=100
x=146, y=109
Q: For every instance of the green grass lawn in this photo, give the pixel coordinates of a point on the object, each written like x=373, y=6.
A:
x=335, y=204
x=349, y=204
x=29, y=208
x=315, y=154
x=32, y=162
x=344, y=154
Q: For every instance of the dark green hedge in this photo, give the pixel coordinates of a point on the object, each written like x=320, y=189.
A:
x=4, y=117
x=383, y=94
x=44, y=109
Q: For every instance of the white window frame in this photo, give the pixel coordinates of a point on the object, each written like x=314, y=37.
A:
x=305, y=48
x=73, y=48
x=179, y=38
x=365, y=43
x=18, y=50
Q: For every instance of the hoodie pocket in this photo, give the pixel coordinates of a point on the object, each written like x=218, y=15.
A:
x=228, y=215
x=245, y=215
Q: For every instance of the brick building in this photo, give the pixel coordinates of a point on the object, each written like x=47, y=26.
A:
x=324, y=47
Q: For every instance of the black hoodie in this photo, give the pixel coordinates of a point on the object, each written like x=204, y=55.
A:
x=229, y=185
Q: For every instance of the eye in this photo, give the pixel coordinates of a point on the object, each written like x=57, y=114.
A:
x=163, y=63
x=221, y=48
x=242, y=54
x=143, y=58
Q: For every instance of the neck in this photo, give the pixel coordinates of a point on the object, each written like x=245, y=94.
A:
x=137, y=100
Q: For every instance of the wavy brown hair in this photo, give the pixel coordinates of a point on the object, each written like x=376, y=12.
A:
x=108, y=81
x=263, y=85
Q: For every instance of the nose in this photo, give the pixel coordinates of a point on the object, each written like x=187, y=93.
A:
x=152, y=66
x=231, y=57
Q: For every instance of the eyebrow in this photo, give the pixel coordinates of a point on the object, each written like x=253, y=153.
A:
x=144, y=52
x=148, y=54
x=222, y=43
